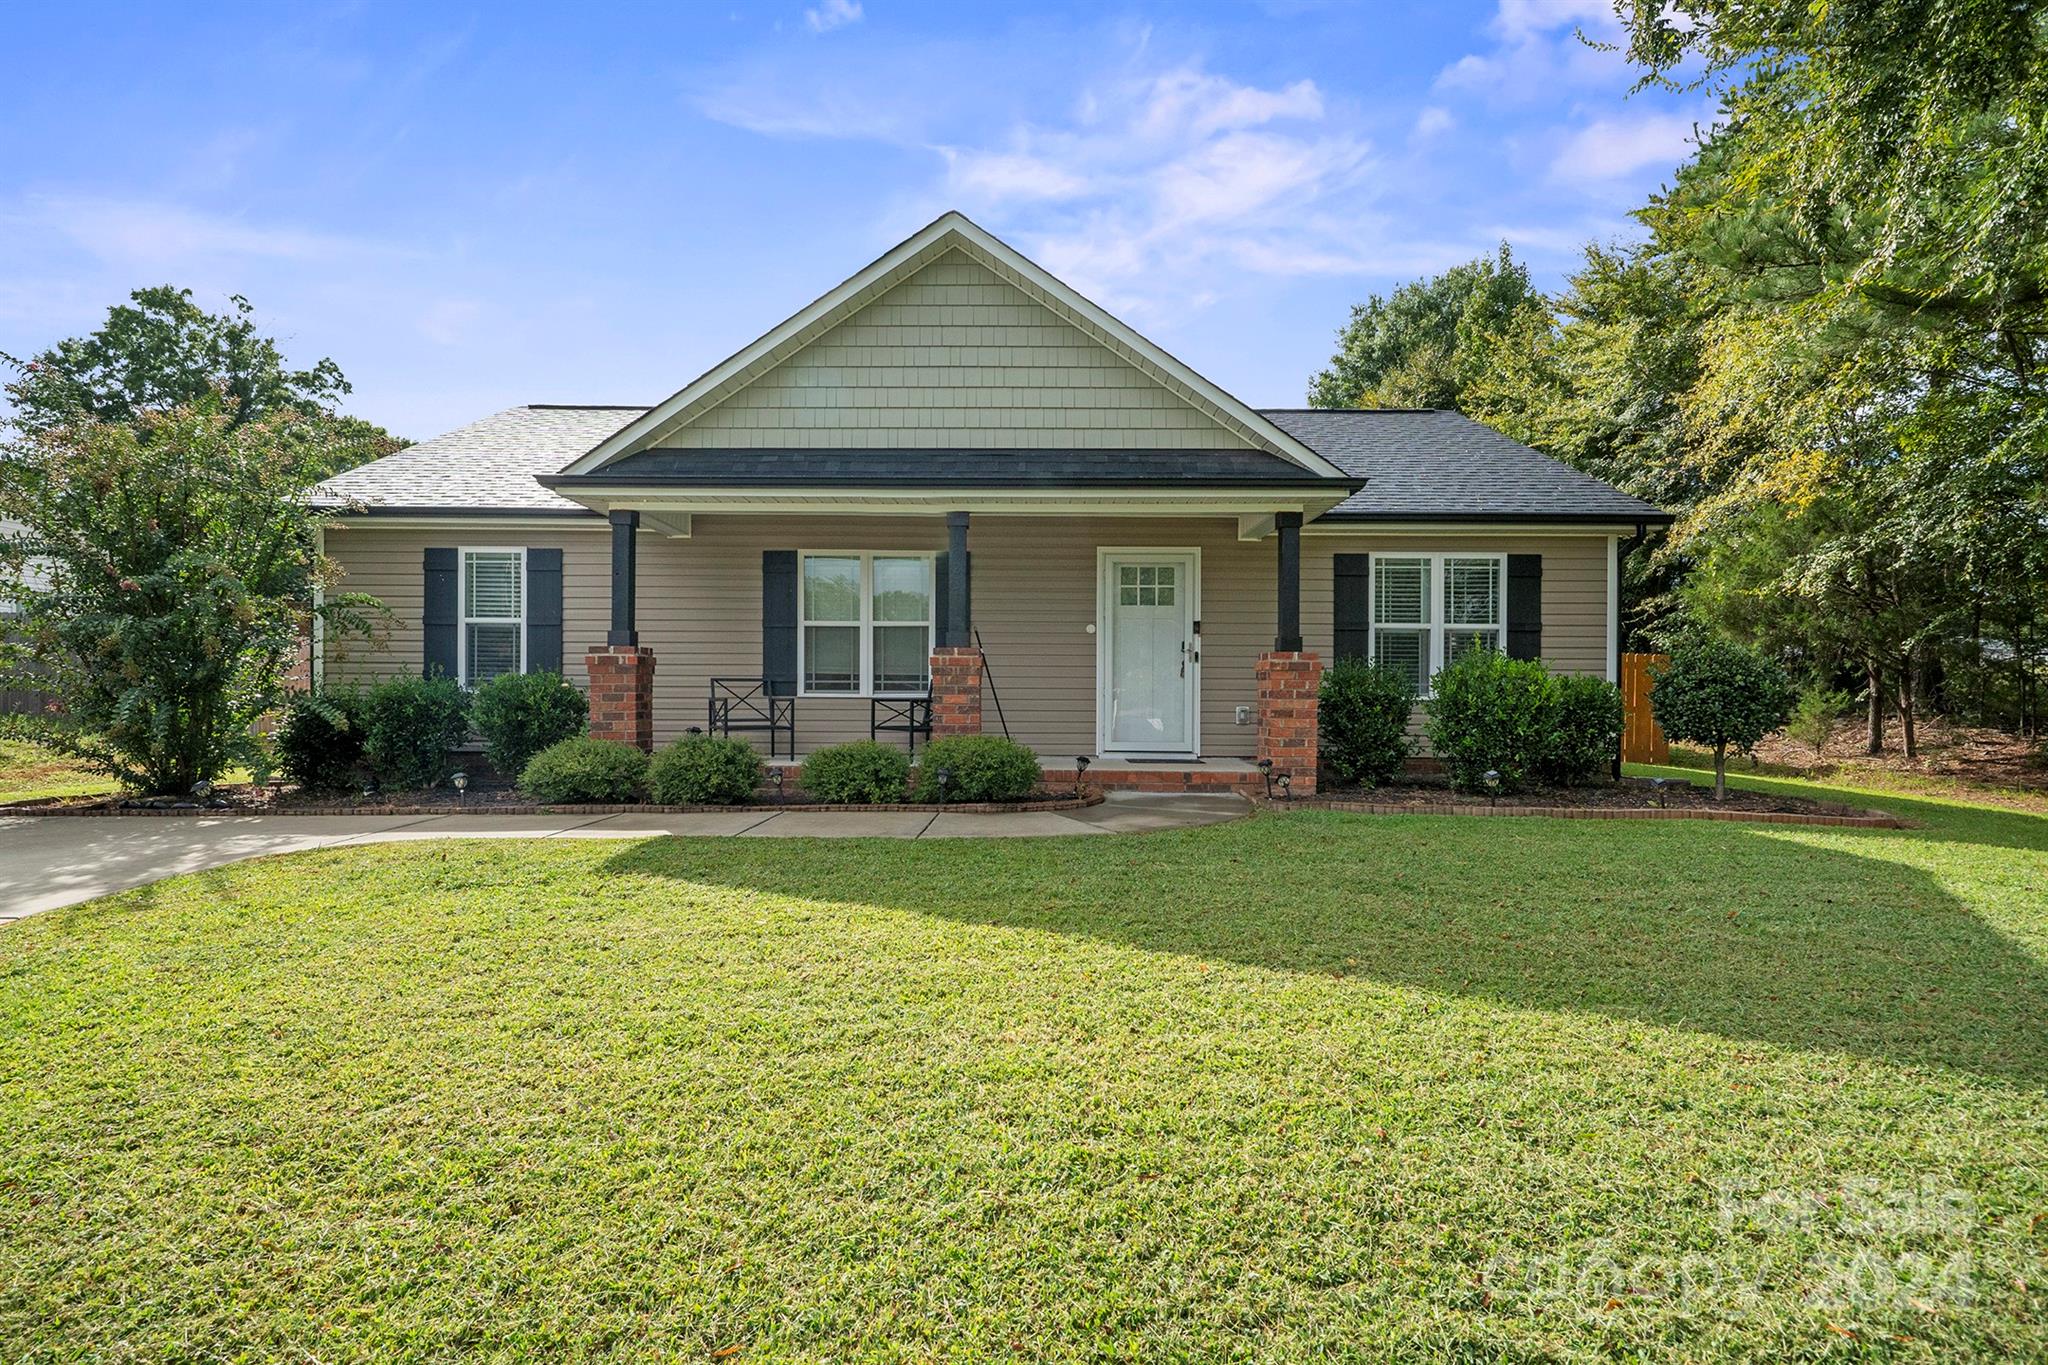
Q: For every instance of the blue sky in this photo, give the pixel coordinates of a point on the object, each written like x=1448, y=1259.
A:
x=474, y=207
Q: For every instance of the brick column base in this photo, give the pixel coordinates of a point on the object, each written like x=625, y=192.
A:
x=622, y=694
x=956, y=691
x=1289, y=685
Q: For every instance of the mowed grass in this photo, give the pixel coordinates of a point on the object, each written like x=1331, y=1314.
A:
x=1309, y=1086
x=29, y=772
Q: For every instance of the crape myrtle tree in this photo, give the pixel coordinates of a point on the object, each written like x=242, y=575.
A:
x=175, y=558
x=155, y=538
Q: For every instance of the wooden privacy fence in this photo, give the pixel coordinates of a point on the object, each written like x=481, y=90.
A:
x=1641, y=740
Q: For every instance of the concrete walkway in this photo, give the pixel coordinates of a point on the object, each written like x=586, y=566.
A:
x=48, y=861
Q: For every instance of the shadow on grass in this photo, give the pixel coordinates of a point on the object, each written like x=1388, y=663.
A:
x=1714, y=927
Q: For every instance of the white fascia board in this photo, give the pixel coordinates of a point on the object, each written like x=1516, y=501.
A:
x=926, y=501
x=493, y=521
x=943, y=234
x=1425, y=529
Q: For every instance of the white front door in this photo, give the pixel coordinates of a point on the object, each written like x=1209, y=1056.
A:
x=1149, y=659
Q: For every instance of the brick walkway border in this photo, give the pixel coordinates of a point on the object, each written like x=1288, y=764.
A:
x=1058, y=803
x=1859, y=819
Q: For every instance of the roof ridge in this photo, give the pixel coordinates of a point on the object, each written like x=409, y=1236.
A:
x=587, y=407
x=1398, y=410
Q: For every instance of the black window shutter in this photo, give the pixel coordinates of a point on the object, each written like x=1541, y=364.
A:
x=441, y=614
x=1351, y=607
x=779, y=621
x=544, y=611
x=942, y=598
x=1525, y=606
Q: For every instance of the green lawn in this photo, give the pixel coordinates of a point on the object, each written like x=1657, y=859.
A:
x=29, y=772
x=1306, y=1086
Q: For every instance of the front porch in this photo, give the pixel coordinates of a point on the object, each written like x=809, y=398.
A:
x=1038, y=626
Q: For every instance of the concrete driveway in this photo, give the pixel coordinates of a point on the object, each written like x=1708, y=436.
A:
x=48, y=861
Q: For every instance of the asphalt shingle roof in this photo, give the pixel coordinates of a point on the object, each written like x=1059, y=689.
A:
x=486, y=466
x=1418, y=466
x=1429, y=465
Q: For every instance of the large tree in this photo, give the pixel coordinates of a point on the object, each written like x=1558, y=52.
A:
x=1421, y=345
x=160, y=351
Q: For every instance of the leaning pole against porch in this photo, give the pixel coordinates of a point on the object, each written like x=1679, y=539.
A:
x=622, y=670
x=956, y=662
x=1290, y=678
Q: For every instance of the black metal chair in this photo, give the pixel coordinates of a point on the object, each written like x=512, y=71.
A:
x=910, y=716
x=748, y=705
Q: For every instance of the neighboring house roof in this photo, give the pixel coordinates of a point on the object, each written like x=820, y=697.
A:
x=1415, y=465
x=1432, y=465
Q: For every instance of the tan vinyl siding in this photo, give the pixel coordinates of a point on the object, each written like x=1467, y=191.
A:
x=955, y=358
x=1034, y=601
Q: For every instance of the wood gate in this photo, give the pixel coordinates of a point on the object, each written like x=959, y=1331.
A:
x=1641, y=739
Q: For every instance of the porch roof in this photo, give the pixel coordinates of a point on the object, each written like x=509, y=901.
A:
x=756, y=468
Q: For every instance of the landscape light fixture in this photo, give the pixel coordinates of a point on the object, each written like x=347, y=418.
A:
x=1286, y=781
x=1492, y=781
x=944, y=775
x=1266, y=771
x=778, y=776
x=461, y=781
x=1657, y=785
x=1080, y=773
x=201, y=790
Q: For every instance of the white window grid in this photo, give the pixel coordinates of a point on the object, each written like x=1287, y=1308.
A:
x=867, y=622
x=469, y=618
x=1440, y=632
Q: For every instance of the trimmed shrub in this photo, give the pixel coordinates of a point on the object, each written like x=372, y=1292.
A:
x=1585, y=730
x=704, y=770
x=978, y=768
x=320, y=739
x=586, y=772
x=519, y=714
x=1363, y=717
x=410, y=724
x=1718, y=693
x=861, y=772
x=1491, y=713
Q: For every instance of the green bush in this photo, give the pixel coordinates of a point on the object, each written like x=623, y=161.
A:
x=585, y=772
x=1363, y=716
x=861, y=772
x=1491, y=713
x=702, y=770
x=978, y=768
x=1585, y=730
x=320, y=739
x=1718, y=693
x=519, y=714
x=410, y=724
x=1814, y=716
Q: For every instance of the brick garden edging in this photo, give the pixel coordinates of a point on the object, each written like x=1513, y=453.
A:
x=1862, y=819
x=1051, y=803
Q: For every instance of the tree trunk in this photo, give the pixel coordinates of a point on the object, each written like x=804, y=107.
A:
x=1906, y=706
x=1873, y=678
x=1721, y=771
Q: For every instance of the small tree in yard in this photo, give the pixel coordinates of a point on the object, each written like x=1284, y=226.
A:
x=174, y=559
x=1720, y=694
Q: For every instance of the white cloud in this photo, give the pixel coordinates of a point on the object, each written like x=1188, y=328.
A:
x=150, y=233
x=1009, y=175
x=1609, y=148
x=1433, y=121
x=833, y=14
x=1539, y=47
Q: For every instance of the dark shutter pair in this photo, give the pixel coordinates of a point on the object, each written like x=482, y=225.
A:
x=780, y=615
x=1352, y=606
x=441, y=618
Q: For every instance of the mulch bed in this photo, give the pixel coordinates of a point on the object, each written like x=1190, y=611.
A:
x=495, y=800
x=1629, y=799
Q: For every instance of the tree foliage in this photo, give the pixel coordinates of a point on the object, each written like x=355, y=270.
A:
x=175, y=559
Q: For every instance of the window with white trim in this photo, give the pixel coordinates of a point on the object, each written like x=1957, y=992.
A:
x=1427, y=610
x=865, y=624
x=493, y=614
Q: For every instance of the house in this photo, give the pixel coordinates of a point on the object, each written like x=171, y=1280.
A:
x=952, y=477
